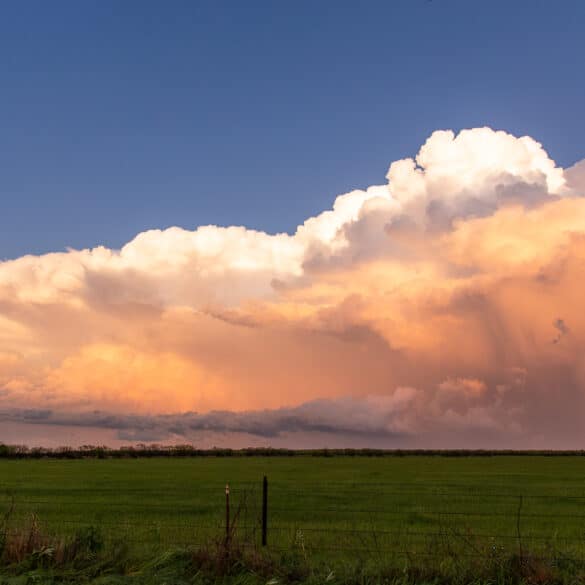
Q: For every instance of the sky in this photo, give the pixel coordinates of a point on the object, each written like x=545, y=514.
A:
x=292, y=224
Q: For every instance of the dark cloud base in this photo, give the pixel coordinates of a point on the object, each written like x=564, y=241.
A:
x=337, y=423
x=332, y=417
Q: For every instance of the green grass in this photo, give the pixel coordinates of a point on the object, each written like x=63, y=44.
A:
x=326, y=510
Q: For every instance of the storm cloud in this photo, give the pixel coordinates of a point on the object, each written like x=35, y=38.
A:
x=442, y=306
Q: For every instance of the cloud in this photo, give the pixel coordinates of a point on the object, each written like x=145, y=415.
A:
x=397, y=418
x=575, y=178
x=562, y=329
x=445, y=303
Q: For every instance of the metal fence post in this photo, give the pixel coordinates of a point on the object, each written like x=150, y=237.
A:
x=227, y=514
x=265, y=511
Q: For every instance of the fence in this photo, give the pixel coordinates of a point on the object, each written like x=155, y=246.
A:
x=322, y=520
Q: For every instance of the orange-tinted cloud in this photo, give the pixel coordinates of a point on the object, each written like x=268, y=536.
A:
x=446, y=304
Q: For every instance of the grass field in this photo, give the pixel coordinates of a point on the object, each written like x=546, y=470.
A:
x=336, y=508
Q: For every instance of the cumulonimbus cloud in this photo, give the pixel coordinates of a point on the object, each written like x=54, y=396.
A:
x=445, y=302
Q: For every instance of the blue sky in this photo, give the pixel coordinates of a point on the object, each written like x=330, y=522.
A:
x=116, y=117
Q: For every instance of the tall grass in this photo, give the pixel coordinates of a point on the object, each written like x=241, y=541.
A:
x=30, y=549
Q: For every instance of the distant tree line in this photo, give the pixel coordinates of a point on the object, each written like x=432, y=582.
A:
x=147, y=451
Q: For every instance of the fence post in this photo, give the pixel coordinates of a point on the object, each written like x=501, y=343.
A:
x=264, y=511
x=227, y=514
x=518, y=532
